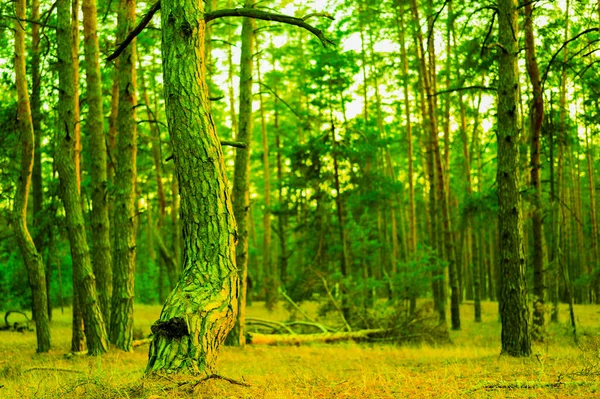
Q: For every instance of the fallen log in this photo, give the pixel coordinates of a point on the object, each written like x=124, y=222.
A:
x=300, y=339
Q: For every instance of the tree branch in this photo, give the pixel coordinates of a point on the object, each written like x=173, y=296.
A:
x=452, y=90
x=237, y=12
x=236, y=144
x=138, y=29
x=577, y=36
x=268, y=16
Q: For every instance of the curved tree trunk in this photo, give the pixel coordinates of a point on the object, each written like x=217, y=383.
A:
x=513, y=296
x=202, y=309
x=33, y=260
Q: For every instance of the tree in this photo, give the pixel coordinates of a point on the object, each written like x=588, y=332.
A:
x=201, y=309
x=83, y=276
x=121, y=322
x=513, y=296
x=33, y=260
x=241, y=176
x=536, y=120
x=101, y=251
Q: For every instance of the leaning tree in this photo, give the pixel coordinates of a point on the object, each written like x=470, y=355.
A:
x=201, y=310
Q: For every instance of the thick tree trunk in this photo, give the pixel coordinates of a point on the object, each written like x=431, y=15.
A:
x=32, y=259
x=101, y=251
x=121, y=322
x=95, y=329
x=202, y=309
x=513, y=296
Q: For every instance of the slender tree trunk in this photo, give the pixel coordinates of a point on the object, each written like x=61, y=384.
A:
x=440, y=187
x=593, y=218
x=272, y=277
x=101, y=252
x=32, y=259
x=241, y=177
x=202, y=309
x=536, y=120
x=76, y=111
x=95, y=330
x=513, y=296
x=121, y=323
x=282, y=215
x=40, y=225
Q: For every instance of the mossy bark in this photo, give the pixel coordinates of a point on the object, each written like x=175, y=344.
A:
x=202, y=309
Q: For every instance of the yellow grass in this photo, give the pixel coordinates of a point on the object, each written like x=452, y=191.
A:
x=470, y=368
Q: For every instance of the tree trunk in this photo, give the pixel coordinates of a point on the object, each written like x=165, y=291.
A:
x=121, y=322
x=95, y=329
x=76, y=111
x=271, y=280
x=440, y=186
x=101, y=252
x=513, y=296
x=202, y=309
x=241, y=177
x=535, y=124
x=32, y=259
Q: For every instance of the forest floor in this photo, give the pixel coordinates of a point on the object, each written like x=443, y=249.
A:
x=471, y=367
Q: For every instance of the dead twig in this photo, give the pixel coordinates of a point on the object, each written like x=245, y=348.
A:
x=53, y=369
x=216, y=377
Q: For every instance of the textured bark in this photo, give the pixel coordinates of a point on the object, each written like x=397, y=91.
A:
x=513, y=296
x=32, y=259
x=95, y=330
x=121, y=322
x=202, y=309
x=76, y=110
x=537, y=217
x=101, y=251
x=241, y=177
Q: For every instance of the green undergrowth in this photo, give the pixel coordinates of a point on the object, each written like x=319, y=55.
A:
x=470, y=367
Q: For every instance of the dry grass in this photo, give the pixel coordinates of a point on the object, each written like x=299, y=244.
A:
x=471, y=368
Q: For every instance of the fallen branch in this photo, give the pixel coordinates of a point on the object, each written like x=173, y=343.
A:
x=335, y=304
x=307, y=323
x=53, y=369
x=269, y=323
x=526, y=385
x=295, y=305
x=300, y=339
x=216, y=377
